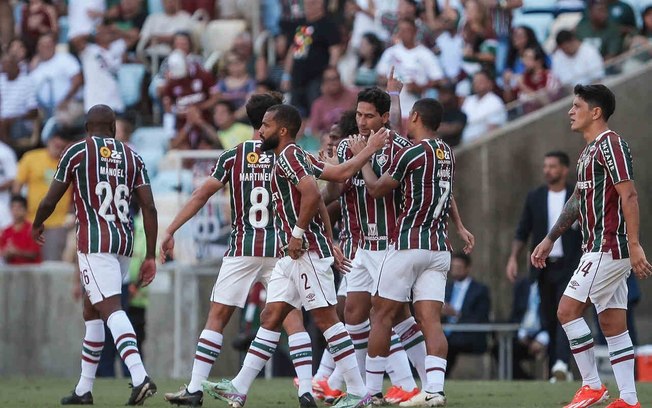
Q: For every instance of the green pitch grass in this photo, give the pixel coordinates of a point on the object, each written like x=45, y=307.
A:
x=46, y=392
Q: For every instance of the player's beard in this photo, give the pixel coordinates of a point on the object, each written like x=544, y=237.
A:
x=269, y=143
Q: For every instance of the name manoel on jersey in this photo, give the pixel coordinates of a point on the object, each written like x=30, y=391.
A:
x=111, y=156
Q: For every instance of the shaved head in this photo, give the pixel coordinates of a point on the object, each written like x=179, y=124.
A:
x=100, y=121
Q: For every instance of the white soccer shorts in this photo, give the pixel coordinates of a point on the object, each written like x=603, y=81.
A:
x=101, y=275
x=236, y=277
x=364, y=271
x=602, y=279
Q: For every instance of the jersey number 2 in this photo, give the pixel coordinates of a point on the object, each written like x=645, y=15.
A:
x=258, y=213
x=119, y=197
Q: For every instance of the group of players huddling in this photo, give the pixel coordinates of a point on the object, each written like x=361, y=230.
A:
x=395, y=197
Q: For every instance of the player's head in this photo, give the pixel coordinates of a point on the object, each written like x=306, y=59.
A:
x=100, y=121
x=258, y=104
x=555, y=167
x=592, y=103
x=460, y=266
x=372, y=110
x=334, y=135
x=426, y=114
x=281, y=122
x=18, y=208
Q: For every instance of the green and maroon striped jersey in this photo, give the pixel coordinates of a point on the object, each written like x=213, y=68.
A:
x=249, y=172
x=425, y=172
x=376, y=218
x=604, y=163
x=104, y=173
x=292, y=165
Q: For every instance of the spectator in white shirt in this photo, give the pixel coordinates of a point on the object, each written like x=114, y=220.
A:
x=17, y=102
x=576, y=62
x=159, y=28
x=484, y=110
x=450, y=45
x=413, y=63
x=84, y=16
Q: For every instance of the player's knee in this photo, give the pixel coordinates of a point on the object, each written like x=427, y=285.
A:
x=90, y=314
x=218, y=317
x=293, y=323
x=271, y=318
x=354, y=313
x=325, y=318
x=565, y=314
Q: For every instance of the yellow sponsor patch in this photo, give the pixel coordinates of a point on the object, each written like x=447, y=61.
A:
x=252, y=158
x=105, y=152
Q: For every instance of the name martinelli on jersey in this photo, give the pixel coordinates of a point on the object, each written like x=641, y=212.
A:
x=256, y=177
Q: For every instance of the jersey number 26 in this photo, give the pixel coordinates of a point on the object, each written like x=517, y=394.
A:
x=119, y=197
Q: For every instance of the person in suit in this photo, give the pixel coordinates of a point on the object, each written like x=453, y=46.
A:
x=466, y=301
x=543, y=206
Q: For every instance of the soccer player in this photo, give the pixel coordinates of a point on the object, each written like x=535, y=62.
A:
x=106, y=174
x=418, y=259
x=252, y=251
x=303, y=277
x=606, y=203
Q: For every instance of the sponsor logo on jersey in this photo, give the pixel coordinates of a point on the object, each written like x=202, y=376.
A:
x=442, y=155
x=311, y=297
x=373, y=230
x=585, y=185
x=256, y=160
x=573, y=285
x=252, y=158
x=105, y=152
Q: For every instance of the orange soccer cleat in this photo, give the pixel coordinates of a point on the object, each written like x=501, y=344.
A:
x=330, y=395
x=622, y=404
x=587, y=396
x=397, y=394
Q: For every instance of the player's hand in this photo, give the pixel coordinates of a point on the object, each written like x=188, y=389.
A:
x=468, y=238
x=640, y=265
x=37, y=234
x=329, y=158
x=342, y=263
x=378, y=140
x=541, y=252
x=512, y=269
x=147, y=272
x=357, y=143
x=295, y=248
x=167, y=247
x=393, y=84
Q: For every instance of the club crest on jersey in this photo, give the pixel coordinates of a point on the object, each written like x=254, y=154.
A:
x=382, y=159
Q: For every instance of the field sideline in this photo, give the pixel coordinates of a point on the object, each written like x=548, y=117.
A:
x=46, y=392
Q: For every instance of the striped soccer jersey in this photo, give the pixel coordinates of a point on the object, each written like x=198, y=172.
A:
x=293, y=164
x=375, y=217
x=604, y=163
x=249, y=172
x=104, y=173
x=425, y=172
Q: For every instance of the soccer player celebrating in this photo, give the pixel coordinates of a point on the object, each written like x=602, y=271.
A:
x=106, y=174
x=606, y=204
x=418, y=259
x=303, y=277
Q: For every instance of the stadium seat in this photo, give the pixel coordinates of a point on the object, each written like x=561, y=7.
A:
x=173, y=181
x=130, y=81
x=220, y=34
x=150, y=138
x=154, y=6
x=539, y=6
x=151, y=158
x=538, y=22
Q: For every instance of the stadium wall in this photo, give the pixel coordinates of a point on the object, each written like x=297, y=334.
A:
x=494, y=175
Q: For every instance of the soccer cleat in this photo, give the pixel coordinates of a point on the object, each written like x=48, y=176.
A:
x=330, y=395
x=140, y=393
x=307, y=401
x=185, y=397
x=377, y=400
x=622, y=404
x=587, y=396
x=74, y=399
x=397, y=394
x=316, y=389
x=225, y=391
x=296, y=382
x=353, y=401
x=425, y=399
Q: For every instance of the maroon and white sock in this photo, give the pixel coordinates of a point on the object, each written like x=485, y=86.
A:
x=125, y=343
x=90, y=356
x=209, y=346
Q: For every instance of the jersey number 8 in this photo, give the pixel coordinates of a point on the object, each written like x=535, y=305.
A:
x=258, y=213
x=120, y=198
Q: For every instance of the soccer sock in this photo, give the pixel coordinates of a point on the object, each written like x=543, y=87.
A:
x=336, y=380
x=259, y=352
x=125, y=343
x=209, y=346
x=436, y=370
x=415, y=347
x=341, y=347
x=301, y=355
x=360, y=336
x=621, y=354
x=90, y=357
x=326, y=366
x=581, y=344
x=375, y=367
x=398, y=366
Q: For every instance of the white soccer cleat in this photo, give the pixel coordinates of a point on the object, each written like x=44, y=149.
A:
x=426, y=399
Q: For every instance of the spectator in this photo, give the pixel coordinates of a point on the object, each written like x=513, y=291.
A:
x=182, y=42
x=7, y=176
x=369, y=53
x=229, y=132
x=484, y=110
x=530, y=85
x=38, y=18
x=644, y=37
x=576, y=62
x=291, y=17
x=335, y=99
x=18, y=103
x=35, y=171
x=453, y=119
x=123, y=131
x=315, y=46
x=128, y=16
x=622, y=14
x=236, y=86
x=204, y=8
x=413, y=63
x=57, y=78
x=272, y=73
x=243, y=47
x=407, y=9
x=6, y=24
x=84, y=16
x=16, y=243
x=523, y=37
x=480, y=44
x=18, y=50
x=100, y=64
x=597, y=29
x=450, y=45
x=159, y=29
x=500, y=15
x=466, y=301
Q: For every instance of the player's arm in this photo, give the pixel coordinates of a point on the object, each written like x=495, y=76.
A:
x=394, y=87
x=629, y=202
x=310, y=206
x=378, y=187
x=46, y=207
x=197, y=200
x=145, y=199
x=342, y=264
x=467, y=237
x=332, y=192
x=568, y=216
